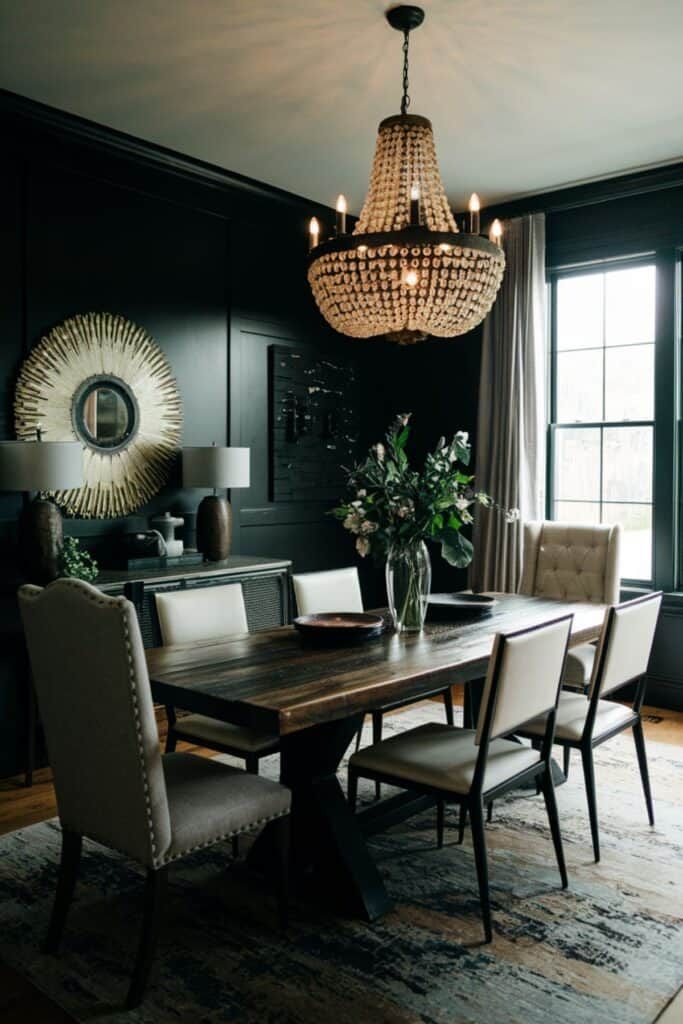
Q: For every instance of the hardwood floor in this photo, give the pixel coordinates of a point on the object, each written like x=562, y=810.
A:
x=22, y=1003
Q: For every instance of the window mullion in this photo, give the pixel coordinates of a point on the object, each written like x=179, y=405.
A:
x=665, y=441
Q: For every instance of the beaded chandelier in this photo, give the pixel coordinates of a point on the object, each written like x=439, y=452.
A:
x=406, y=271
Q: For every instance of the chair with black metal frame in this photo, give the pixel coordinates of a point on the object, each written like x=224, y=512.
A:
x=585, y=722
x=112, y=783
x=338, y=590
x=471, y=768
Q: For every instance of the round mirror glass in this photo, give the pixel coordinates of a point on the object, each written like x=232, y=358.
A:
x=105, y=414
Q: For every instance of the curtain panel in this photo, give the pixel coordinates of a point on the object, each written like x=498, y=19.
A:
x=511, y=426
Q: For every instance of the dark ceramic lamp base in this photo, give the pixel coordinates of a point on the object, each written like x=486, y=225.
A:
x=214, y=528
x=41, y=536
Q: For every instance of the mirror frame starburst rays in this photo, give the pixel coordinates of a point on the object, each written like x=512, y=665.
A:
x=107, y=347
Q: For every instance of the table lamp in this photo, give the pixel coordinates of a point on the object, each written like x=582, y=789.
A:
x=215, y=467
x=40, y=466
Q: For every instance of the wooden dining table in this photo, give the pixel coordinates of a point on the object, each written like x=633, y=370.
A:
x=315, y=700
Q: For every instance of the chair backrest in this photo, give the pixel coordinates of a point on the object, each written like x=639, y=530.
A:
x=204, y=613
x=524, y=677
x=625, y=644
x=91, y=681
x=337, y=590
x=571, y=562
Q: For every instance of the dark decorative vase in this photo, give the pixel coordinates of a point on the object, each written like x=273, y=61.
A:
x=214, y=528
x=41, y=537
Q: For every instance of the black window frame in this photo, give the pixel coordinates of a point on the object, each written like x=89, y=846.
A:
x=667, y=440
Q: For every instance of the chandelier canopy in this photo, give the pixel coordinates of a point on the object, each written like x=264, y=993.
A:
x=406, y=271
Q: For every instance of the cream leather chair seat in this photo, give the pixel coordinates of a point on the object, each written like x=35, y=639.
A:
x=444, y=757
x=572, y=712
x=572, y=562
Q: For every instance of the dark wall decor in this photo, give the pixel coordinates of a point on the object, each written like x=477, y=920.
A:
x=91, y=219
x=314, y=423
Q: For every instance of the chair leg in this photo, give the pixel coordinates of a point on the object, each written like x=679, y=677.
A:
x=72, y=844
x=252, y=764
x=489, y=812
x=462, y=821
x=554, y=819
x=171, y=741
x=377, y=738
x=440, y=815
x=360, y=735
x=155, y=891
x=353, y=790
x=536, y=744
x=281, y=836
x=566, y=755
x=448, y=704
x=589, y=778
x=642, y=763
x=479, y=841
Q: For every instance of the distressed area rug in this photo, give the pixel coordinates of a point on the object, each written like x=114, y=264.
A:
x=607, y=951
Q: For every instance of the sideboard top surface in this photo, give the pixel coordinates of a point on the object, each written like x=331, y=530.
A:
x=230, y=566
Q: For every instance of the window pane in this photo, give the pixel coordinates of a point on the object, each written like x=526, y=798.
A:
x=627, y=464
x=579, y=386
x=587, y=512
x=630, y=383
x=630, y=306
x=579, y=311
x=636, y=548
x=577, y=464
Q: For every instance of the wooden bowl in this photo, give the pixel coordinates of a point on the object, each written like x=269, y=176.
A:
x=334, y=629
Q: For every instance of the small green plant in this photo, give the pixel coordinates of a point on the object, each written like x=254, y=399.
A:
x=76, y=562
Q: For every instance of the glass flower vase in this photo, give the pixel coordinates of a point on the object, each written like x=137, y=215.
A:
x=408, y=579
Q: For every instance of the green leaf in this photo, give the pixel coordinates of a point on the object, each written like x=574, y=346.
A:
x=456, y=549
x=402, y=438
x=453, y=522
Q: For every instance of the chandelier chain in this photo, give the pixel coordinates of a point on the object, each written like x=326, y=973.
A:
x=405, y=99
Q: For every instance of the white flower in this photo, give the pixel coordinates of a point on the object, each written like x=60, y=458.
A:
x=441, y=444
x=483, y=498
x=403, y=418
x=462, y=504
x=466, y=517
x=512, y=515
x=367, y=526
x=358, y=505
x=362, y=546
x=463, y=437
x=353, y=523
x=379, y=451
x=362, y=493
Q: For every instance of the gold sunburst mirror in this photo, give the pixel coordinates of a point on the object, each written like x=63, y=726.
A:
x=103, y=380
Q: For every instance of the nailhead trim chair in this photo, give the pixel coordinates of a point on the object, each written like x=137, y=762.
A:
x=572, y=562
x=583, y=723
x=112, y=783
x=471, y=768
x=338, y=590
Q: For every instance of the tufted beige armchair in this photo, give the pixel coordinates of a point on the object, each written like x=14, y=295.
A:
x=572, y=562
x=112, y=782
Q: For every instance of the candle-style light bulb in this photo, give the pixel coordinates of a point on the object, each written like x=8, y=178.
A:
x=496, y=232
x=410, y=278
x=474, y=207
x=314, y=231
x=341, y=214
x=415, y=204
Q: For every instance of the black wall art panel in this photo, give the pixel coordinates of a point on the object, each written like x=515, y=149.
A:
x=314, y=423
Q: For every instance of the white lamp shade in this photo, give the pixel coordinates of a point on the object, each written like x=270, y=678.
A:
x=215, y=467
x=40, y=465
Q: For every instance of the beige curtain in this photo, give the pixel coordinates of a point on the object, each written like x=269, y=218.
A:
x=510, y=442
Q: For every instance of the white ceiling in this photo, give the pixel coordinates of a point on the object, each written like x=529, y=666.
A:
x=524, y=95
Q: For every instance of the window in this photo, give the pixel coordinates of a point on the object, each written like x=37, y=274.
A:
x=602, y=409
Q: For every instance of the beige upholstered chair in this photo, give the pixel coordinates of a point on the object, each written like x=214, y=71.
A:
x=338, y=590
x=205, y=614
x=472, y=768
x=112, y=783
x=583, y=723
x=572, y=563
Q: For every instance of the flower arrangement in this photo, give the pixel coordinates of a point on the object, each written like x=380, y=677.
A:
x=76, y=562
x=392, y=506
